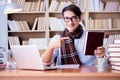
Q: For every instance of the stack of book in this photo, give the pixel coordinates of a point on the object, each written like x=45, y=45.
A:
x=2, y=63
x=114, y=50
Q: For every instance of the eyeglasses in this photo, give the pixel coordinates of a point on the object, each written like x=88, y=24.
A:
x=73, y=19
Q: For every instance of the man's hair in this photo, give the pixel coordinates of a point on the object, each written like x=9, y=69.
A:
x=72, y=8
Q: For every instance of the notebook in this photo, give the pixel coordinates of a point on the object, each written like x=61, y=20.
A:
x=92, y=41
x=28, y=57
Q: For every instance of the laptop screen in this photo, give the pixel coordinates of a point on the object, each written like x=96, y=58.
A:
x=27, y=57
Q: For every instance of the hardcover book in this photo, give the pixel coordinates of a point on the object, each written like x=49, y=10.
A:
x=116, y=45
x=114, y=54
x=92, y=41
x=112, y=58
x=115, y=67
x=114, y=49
x=117, y=63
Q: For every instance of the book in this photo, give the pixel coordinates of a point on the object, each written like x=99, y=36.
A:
x=115, y=67
x=114, y=54
x=2, y=49
x=2, y=66
x=115, y=63
x=13, y=40
x=114, y=49
x=92, y=41
x=35, y=24
x=117, y=41
x=117, y=45
x=1, y=61
x=115, y=71
x=1, y=55
x=111, y=58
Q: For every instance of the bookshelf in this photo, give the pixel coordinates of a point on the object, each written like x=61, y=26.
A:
x=47, y=10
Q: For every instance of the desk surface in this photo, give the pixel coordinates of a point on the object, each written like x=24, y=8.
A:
x=83, y=73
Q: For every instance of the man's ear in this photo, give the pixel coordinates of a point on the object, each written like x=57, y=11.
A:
x=80, y=18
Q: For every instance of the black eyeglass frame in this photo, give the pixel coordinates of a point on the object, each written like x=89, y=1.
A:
x=73, y=18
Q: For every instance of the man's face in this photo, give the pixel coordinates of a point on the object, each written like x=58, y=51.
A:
x=71, y=20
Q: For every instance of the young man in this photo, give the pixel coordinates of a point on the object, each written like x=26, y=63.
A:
x=67, y=47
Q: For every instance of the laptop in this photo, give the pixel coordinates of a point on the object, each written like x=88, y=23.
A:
x=28, y=57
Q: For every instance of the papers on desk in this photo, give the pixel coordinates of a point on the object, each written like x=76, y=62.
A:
x=67, y=66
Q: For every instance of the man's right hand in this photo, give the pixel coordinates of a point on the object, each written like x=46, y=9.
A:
x=58, y=43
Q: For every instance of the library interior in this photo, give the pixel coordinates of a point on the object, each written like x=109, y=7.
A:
x=36, y=24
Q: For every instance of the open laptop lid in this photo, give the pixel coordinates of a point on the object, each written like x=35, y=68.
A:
x=27, y=57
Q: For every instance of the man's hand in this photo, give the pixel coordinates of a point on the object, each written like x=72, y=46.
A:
x=58, y=43
x=100, y=52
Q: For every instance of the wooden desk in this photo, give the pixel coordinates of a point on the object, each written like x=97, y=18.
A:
x=83, y=73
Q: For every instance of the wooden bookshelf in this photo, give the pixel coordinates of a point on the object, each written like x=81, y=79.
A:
x=30, y=15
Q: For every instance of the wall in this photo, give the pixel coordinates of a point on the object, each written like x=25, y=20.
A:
x=3, y=29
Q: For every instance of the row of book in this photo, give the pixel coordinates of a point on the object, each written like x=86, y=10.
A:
x=13, y=40
x=98, y=5
x=18, y=25
x=58, y=6
x=104, y=23
x=36, y=6
x=40, y=42
x=40, y=23
x=90, y=5
x=114, y=52
x=81, y=4
x=93, y=5
x=20, y=2
x=112, y=6
x=56, y=23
